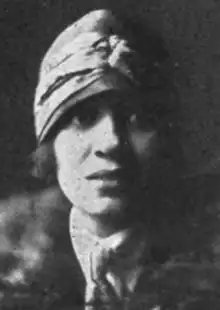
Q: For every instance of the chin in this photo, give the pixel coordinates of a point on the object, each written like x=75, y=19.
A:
x=106, y=205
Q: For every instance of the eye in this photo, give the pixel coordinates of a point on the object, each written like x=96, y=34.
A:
x=142, y=120
x=85, y=118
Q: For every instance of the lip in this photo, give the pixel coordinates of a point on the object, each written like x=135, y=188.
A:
x=108, y=175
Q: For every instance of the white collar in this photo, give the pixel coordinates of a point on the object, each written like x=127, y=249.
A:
x=124, y=241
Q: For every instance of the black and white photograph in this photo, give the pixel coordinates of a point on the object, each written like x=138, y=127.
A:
x=110, y=155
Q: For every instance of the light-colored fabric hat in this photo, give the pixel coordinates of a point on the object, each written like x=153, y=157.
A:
x=87, y=58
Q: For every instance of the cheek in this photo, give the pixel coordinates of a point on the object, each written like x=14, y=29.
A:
x=71, y=150
x=145, y=144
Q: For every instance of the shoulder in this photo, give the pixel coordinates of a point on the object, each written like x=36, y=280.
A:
x=175, y=285
x=38, y=268
x=57, y=285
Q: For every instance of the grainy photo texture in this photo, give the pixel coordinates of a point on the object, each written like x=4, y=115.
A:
x=110, y=173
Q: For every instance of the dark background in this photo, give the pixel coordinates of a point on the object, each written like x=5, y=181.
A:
x=34, y=223
x=190, y=29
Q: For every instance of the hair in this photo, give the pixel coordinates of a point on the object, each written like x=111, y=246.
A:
x=43, y=163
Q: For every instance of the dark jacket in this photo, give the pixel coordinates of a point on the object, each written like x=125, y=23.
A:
x=172, y=286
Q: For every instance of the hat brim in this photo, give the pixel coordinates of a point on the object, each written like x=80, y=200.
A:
x=106, y=82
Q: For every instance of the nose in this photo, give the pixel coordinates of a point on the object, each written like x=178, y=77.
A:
x=108, y=136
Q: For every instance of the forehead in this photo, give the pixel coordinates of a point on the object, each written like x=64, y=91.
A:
x=111, y=100
x=153, y=101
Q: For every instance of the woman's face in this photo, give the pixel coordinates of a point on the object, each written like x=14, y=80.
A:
x=105, y=152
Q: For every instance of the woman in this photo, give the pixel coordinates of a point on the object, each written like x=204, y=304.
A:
x=104, y=111
x=104, y=121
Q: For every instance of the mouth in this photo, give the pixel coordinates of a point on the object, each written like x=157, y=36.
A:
x=109, y=175
x=115, y=183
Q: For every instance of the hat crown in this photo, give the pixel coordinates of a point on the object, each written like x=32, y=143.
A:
x=101, y=21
